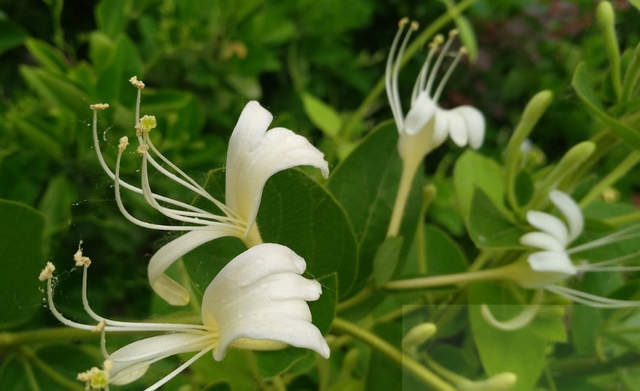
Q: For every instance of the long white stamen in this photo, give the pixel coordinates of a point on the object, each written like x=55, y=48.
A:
x=612, y=238
x=391, y=87
x=177, y=371
x=589, y=299
x=436, y=66
x=445, y=78
x=144, y=224
x=396, y=69
x=126, y=185
x=418, y=86
x=188, y=182
x=519, y=321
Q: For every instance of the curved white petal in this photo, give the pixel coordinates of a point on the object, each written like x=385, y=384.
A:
x=132, y=361
x=420, y=113
x=441, y=131
x=458, y=128
x=260, y=298
x=542, y=240
x=255, y=154
x=164, y=286
x=552, y=261
x=549, y=224
x=571, y=211
x=475, y=124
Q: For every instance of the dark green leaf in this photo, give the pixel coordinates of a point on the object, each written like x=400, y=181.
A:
x=582, y=84
x=21, y=236
x=366, y=184
x=11, y=35
x=55, y=204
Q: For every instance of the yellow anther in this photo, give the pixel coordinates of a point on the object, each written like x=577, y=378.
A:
x=464, y=50
x=142, y=149
x=122, y=145
x=403, y=22
x=99, y=106
x=453, y=32
x=438, y=39
x=100, y=326
x=148, y=122
x=415, y=25
x=47, y=272
x=136, y=83
x=80, y=260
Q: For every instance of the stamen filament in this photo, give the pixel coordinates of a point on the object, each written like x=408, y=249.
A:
x=436, y=66
x=589, y=299
x=391, y=76
x=614, y=237
x=445, y=78
x=177, y=371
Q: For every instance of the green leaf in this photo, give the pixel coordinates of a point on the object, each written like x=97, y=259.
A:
x=582, y=84
x=299, y=213
x=48, y=56
x=234, y=370
x=323, y=116
x=443, y=254
x=39, y=140
x=102, y=49
x=632, y=75
x=126, y=62
x=520, y=352
x=295, y=211
x=112, y=16
x=473, y=170
x=366, y=184
x=13, y=375
x=57, y=91
x=468, y=37
x=55, y=204
x=635, y=3
x=21, y=236
x=488, y=227
x=386, y=261
x=11, y=35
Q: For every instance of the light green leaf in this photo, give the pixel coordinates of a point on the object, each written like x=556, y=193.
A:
x=102, y=49
x=473, y=170
x=520, y=352
x=488, y=227
x=55, y=204
x=468, y=37
x=39, y=140
x=21, y=237
x=323, y=116
x=126, y=63
x=48, y=56
x=386, y=260
x=366, y=184
x=112, y=16
x=582, y=84
x=57, y=91
x=635, y=3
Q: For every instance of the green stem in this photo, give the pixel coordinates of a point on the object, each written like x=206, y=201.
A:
x=620, y=171
x=53, y=374
x=10, y=340
x=418, y=43
x=361, y=296
x=413, y=366
x=278, y=383
x=449, y=279
x=409, y=169
x=577, y=367
x=624, y=219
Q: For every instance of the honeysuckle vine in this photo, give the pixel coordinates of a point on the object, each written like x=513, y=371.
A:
x=544, y=270
x=258, y=301
x=426, y=125
x=254, y=155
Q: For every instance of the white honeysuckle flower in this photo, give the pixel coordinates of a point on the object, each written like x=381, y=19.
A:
x=426, y=122
x=543, y=270
x=255, y=154
x=426, y=126
x=258, y=301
